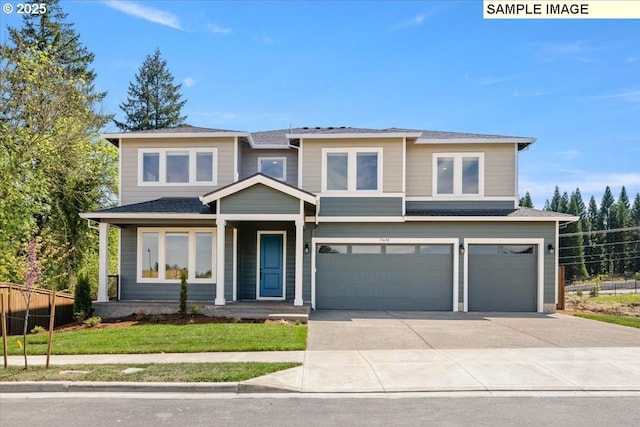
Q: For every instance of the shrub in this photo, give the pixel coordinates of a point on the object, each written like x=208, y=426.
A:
x=37, y=329
x=93, y=321
x=141, y=315
x=595, y=290
x=82, y=295
x=157, y=318
x=579, y=293
x=183, y=292
x=195, y=309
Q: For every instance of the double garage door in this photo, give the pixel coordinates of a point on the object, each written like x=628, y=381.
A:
x=420, y=277
x=384, y=277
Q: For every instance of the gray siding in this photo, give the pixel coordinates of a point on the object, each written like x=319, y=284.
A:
x=130, y=289
x=458, y=204
x=499, y=167
x=249, y=161
x=259, y=199
x=247, y=257
x=391, y=154
x=131, y=192
x=361, y=206
x=496, y=230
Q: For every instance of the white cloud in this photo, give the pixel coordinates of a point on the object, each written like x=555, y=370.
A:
x=263, y=38
x=216, y=29
x=569, y=154
x=413, y=22
x=588, y=182
x=188, y=82
x=632, y=59
x=631, y=96
x=487, y=81
x=577, y=51
x=150, y=14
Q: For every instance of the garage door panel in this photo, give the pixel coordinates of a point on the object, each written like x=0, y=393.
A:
x=503, y=282
x=384, y=281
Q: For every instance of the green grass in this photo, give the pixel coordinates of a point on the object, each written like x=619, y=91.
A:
x=156, y=372
x=634, y=322
x=168, y=338
x=623, y=298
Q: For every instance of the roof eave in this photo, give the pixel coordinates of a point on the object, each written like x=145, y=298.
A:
x=353, y=135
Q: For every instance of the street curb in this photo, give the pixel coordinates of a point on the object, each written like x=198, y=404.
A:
x=134, y=387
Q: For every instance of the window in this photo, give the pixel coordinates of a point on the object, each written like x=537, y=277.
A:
x=184, y=166
x=400, y=249
x=458, y=174
x=435, y=250
x=275, y=167
x=332, y=249
x=352, y=169
x=164, y=253
x=366, y=249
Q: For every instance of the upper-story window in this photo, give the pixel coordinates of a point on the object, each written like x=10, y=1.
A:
x=352, y=169
x=458, y=174
x=180, y=166
x=275, y=167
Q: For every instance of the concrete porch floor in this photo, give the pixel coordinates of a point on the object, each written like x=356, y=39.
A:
x=243, y=309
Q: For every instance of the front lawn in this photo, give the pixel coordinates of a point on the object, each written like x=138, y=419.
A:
x=168, y=338
x=634, y=322
x=153, y=372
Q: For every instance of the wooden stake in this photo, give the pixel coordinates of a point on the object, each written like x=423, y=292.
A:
x=52, y=320
x=4, y=329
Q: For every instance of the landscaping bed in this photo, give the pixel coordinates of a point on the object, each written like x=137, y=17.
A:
x=627, y=305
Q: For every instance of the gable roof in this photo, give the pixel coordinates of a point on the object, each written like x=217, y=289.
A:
x=520, y=213
x=186, y=131
x=255, y=179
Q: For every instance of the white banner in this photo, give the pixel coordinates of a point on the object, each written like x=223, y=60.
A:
x=562, y=9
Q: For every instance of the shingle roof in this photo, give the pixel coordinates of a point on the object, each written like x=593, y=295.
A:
x=180, y=129
x=518, y=213
x=183, y=205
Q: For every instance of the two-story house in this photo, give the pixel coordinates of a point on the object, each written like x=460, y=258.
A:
x=339, y=218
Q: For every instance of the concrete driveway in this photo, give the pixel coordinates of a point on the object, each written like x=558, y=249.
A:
x=401, y=330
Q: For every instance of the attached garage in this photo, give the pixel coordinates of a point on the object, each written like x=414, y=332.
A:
x=503, y=277
x=384, y=276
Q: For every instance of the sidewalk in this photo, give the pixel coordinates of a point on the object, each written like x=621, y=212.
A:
x=380, y=371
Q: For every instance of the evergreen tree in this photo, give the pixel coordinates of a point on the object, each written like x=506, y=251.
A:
x=634, y=220
x=554, y=204
x=593, y=248
x=582, y=208
x=621, y=218
x=605, y=222
x=572, y=247
x=563, y=205
x=153, y=101
x=526, y=201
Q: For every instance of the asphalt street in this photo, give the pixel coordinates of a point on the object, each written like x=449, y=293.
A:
x=104, y=411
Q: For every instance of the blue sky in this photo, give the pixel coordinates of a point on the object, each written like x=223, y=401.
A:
x=257, y=65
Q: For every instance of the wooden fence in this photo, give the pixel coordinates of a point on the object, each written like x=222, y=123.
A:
x=40, y=307
x=561, y=291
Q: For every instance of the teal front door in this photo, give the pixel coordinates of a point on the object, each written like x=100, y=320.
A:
x=271, y=269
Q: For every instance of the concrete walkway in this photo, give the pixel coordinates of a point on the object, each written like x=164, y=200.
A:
x=375, y=371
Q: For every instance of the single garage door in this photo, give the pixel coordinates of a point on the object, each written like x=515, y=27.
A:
x=503, y=277
x=384, y=277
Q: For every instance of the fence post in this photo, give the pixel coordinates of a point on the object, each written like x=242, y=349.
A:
x=52, y=320
x=561, y=290
x=4, y=328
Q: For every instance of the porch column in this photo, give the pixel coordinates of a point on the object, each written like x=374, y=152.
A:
x=299, y=255
x=220, y=235
x=103, y=263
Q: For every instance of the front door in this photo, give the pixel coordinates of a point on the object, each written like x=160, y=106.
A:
x=271, y=265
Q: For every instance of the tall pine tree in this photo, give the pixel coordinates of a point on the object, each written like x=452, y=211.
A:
x=572, y=248
x=634, y=219
x=605, y=222
x=620, y=216
x=153, y=101
x=593, y=249
x=526, y=201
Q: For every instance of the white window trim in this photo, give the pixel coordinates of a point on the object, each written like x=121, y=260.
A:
x=457, y=175
x=284, y=166
x=162, y=231
x=352, y=161
x=162, y=152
